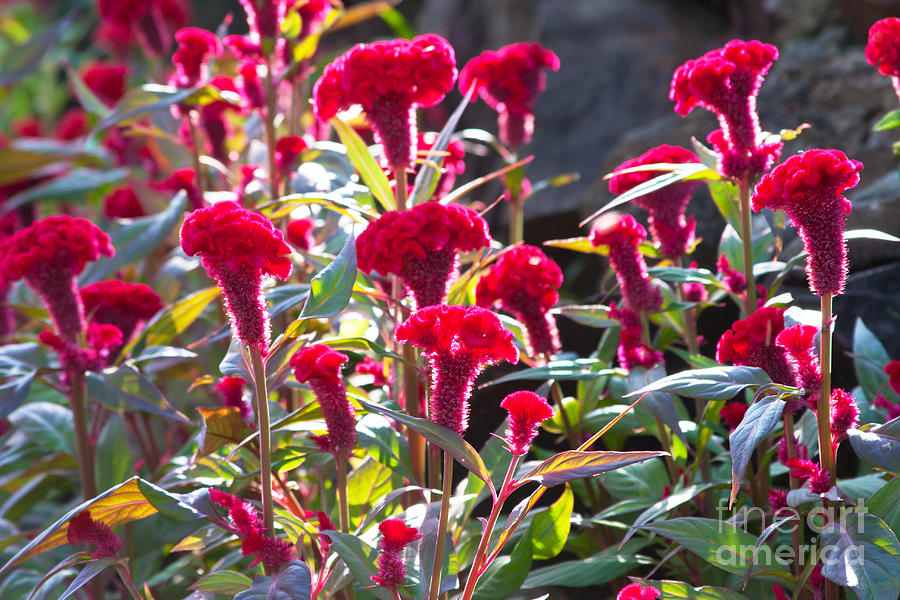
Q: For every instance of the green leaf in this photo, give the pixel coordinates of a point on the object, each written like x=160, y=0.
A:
x=21, y=60
x=576, y=464
x=175, y=319
x=580, y=369
x=715, y=383
x=682, y=275
x=359, y=558
x=596, y=315
x=94, y=568
x=665, y=505
x=14, y=392
x=870, y=360
x=446, y=439
x=67, y=186
x=506, y=574
x=725, y=196
x=113, y=462
x=86, y=97
x=870, y=234
x=48, y=425
x=658, y=403
x=679, y=590
x=428, y=176
x=292, y=582
x=859, y=551
x=878, y=446
x=181, y=507
x=125, y=388
x=222, y=582
x=221, y=426
x=885, y=504
x=888, y=121
x=759, y=421
x=550, y=528
x=141, y=103
x=595, y=570
x=331, y=288
x=368, y=169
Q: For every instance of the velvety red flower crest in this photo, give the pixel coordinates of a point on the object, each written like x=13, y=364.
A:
x=106, y=80
x=527, y=411
x=320, y=366
x=623, y=235
x=751, y=342
x=84, y=529
x=883, y=49
x=635, y=591
x=122, y=203
x=395, y=536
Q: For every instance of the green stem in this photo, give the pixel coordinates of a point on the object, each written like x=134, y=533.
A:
x=269, y=123
x=747, y=245
x=435, y=588
x=197, y=141
x=340, y=459
x=556, y=392
x=796, y=534
x=823, y=410
x=516, y=220
x=83, y=447
x=414, y=408
x=258, y=369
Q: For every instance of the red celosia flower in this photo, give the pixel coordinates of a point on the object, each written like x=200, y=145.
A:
x=122, y=203
x=101, y=339
x=72, y=125
x=726, y=81
x=459, y=343
x=808, y=187
x=799, y=341
x=733, y=413
x=892, y=409
x=632, y=351
x=244, y=48
x=251, y=84
x=320, y=366
x=372, y=367
x=781, y=449
x=27, y=127
x=527, y=411
x=388, y=79
x=245, y=523
x=264, y=17
x=48, y=255
x=395, y=536
x=237, y=248
x=151, y=22
x=670, y=229
x=299, y=233
x=510, y=80
x=212, y=120
x=883, y=49
x=892, y=370
x=184, y=179
x=83, y=529
x=232, y=391
x=195, y=47
x=635, y=591
x=734, y=280
x=751, y=342
x=421, y=245
x=802, y=469
x=312, y=14
x=844, y=415
x=623, y=236
x=106, y=80
x=524, y=281
x=287, y=151
x=125, y=305
x=777, y=500
x=694, y=291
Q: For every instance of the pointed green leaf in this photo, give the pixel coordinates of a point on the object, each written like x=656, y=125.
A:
x=292, y=582
x=222, y=582
x=176, y=318
x=759, y=421
x=888, y=121
x=601, y=568
x=715, y=383
x=575, y=464
x=658, y=403
x=580, y=369
x=679, y=590
x=550, y=528
x=331, y=288
x=368, y=168
x=665, y=505
x=94, y=568
x=859, y=551
x=878, y=446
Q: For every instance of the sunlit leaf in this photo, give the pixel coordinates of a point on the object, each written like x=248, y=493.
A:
x=575, y=464
x=550, y=528
x=292, y=582
x=221, y=426
x=331, y=288
x=862, y=553
x=368, y=168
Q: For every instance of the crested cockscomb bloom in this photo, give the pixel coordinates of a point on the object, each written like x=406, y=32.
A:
x=251, y=84
x=459, y=343
x=237, y=248
x=524, y=281
x=122, y=203
x=695, y=291
x=264, y=17
x=232, y=391
x=623, y=236
x=883, y=49
x=799, y=341
x=245, y=523
x=49, y=255
x=844, y=415
x=803, y=469
x=106, y=81
x=510, y=80
x=389, y=79
x=892, y=370
x=636, y=591
x=312, y=14
x=370, y=366
x=83, y=529
x=751, y=342
x=125, y=305
x=808, y=187
x=726, y=81
x=670, y=229
x=421, y=246
x=733, y=413
x=395, y=536
x=320, y=366
x=777, y=499
x=632, y=352
x=195, y=47
x=184, y=180
x=527, y=411
x=287, y=151
x=150, y=22
x=299, y=233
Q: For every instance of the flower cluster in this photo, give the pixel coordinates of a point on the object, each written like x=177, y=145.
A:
x=808, y=187
x=84, y=529
x=527, y=411
x=299, y=233
x=122, y=203
x=799, y=343
x=150, y=22
x=525, y=283
x=106, y=80
x=804, y=469
x=372, y=367
x=734, y=280
x=389, y=79
x=623, y=236
x=670, y=229
x=195, y=47
x=459, y=343
x=635, y=591
x=125, y=305
x=421, y=245
x=844, y=415
x=695, y=291
x=751, y=342
x=272, y=552
x=726, y=81
x=883, y=49
x=395, y=536
x=287, y=150
x=232, y=391
x=632, y=351
x=320, y=366
x=237, y=248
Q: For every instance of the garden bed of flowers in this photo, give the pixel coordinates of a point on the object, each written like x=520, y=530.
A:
x=247, y=301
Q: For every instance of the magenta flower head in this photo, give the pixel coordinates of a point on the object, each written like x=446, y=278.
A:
x=527, y=411
x=272, y=552
x=799, y=343
x=883, y=49
x=122, y=203
x=844, y=415
x=695, y=291
x=726, y=81
x=733, y=413
x=635, y=591
x=510, y=80
x=232, y=391
x=264, y=17
x=389, y=79
x=459, y=343
x=670, y=229
x=623, y=236
x=186, y=180
x=300, y=233
x=195, y=47
x=82, y=528
x=804, y=469
x=48, y=255
x=237, y=247
x=395, y=536
x=421, y=246
x=125, y=305
x=892, y=370
x=808, y=187
x=287, y=150
x=632, y=351
x=320, y=366
x=751, y=342
x=524, y=281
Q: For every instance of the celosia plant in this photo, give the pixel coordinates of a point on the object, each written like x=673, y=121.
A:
x=622, y=236
x=527, y=411
x=395, y=536
x=320, y=366
x=751, y=342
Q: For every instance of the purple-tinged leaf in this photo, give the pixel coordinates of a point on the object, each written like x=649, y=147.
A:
x=758, y=422
x=574, y=464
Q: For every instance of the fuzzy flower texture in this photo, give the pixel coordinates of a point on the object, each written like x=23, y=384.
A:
x=420, y=245
x=272, y=552
x=320, y=366
x=726, y=81
x=82, y=528
x=751, y=342
x=126, y=305
x=525, y=283
x=527, y=411
x=623, y=236
x=389, y=79
x=883, y=49
x=459, y=343
x=809, y=188
x=510, y=80
x=237, y=248
x=395, y=536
